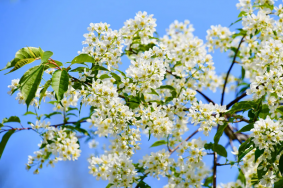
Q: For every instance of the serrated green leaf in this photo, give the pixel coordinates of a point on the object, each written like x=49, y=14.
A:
x=219, y=133
x=243, y=73
x=83, y=58
x=21, y=63
x=29, y=113
x=76, y=129
x=158, y=143
x=246, y=128
x=4, y=141
x=44, y=89
x=220, y=150
x=104, y=76
x=79, y=69
x=27, y=74
x=258, y=153
x=98, y=67
x=278, y=184
x=109, y=185
x=59, y=83
x=11, y=119
x=29, y=87
x=24, y=56
x=281, y=164
x=241, y=177
x=244, y=153
x=153, y=92
x=51, y=114
x=208, y=146
x=46, y=56
x=116, y=77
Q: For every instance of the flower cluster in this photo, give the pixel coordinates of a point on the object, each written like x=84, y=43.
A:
x=143, y=27
x=157, y=163
x=219, y=37
x=188, y=58
x=106, y=47
x=207, y=115
x=118, y=169
x=59, y=142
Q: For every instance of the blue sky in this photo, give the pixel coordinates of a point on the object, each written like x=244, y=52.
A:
x=59, y=26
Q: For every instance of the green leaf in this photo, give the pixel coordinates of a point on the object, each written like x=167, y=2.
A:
x=219, y=133
x=258, y=153
x=278, y=184
x=246, y=128
x=243, y=73
x=245, y=145
x=83, y=58
x=153, y=92
x=243, y=106
x=241, y=177
x=208, y=181
x=208, y=146
x=59, y=83
x=242, y=13
x=24, y=56
x=98, y=67
x=29, y=87
x=235, y=22
x=280, y=110
x=244, y=153
x=76, y=129
x=79, y=69
x=51, y=114
x=4, y=141
x=46, y=56
x=109, y=185
x=71, y=114
x=121, y=73
x=29, y=113
x=21, y=63
x=27, y=74
x=11, y=119
x=281, y=164
x=116, y=77
x=219, y=149
x=104, y=76
x=44, y=89
x=158, y=143
x=173, y=90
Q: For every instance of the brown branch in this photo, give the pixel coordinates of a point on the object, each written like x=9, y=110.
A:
x=196, y=131
x=227, y=76
x=30, y=128
x=214, y=168
x=236, y=100
x=206, y=97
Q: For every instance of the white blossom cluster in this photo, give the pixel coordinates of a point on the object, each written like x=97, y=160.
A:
x=207, y=115
x=238, y=183
x=147, y=72
x=219, y=37
x=188, y=56
x=118, y=169
x=142, y=26
x=106, y=47
x=62, y=144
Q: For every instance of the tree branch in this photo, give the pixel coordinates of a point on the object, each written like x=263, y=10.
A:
x=236, y=100
x=227, y=76
x=206, y=97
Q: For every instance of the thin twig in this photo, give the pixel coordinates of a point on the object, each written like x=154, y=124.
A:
x=227, y=76
x=206, y=97
x=196, y=131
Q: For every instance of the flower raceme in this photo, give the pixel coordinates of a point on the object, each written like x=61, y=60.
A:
x=157, y=96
